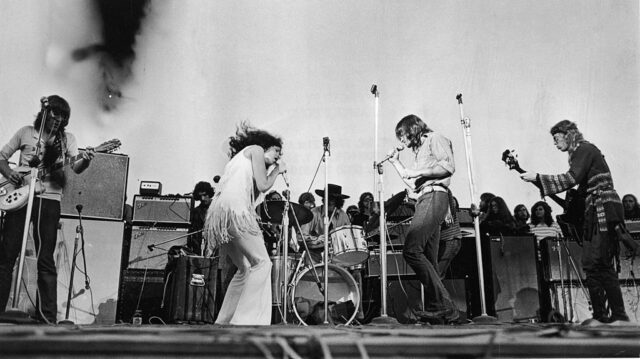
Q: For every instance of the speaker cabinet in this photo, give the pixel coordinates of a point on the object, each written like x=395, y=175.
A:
x=191, y=290
x=103, y=242
x=149, y=246
x=100, y=189
x=140, y=290
x=629, y=265
x=162, y=210
x=515, y=278
x=559, y=264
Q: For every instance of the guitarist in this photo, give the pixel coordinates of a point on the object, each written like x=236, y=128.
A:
x=603, y=216
x=55, y=145
x=429, y=177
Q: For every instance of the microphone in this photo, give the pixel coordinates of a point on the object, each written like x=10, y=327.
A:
x=395, y=150
x=150, y=247
x=285, y=178
x=78, y=293
x=44, y=100
x=326, y=145
x=79, y=208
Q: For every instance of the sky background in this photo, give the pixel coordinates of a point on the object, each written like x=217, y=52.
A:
x=303, y=70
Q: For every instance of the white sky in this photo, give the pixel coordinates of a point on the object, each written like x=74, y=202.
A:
x=303, y=70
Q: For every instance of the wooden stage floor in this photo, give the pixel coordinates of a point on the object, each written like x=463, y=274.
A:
x=292, y=341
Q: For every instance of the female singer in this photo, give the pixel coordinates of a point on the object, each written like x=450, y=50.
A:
x=232, y=223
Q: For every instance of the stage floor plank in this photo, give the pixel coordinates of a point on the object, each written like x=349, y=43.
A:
x=281, y=341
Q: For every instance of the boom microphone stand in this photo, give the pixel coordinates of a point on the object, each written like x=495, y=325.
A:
x=383, y=318
x=466, y=131
x=327, y=153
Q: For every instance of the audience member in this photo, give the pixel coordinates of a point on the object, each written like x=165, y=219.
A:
x=542, y=223
x=631, y=207
x=499, y=221
x=521, y=215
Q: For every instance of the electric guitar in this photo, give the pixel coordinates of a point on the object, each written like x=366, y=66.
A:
x=573, y=205
x=14, y=197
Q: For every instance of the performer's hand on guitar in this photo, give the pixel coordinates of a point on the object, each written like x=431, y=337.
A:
x=529, y=176
x=15, y=178
x=88, y=154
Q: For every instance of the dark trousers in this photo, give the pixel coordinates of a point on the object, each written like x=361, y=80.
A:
x=601, y=276
x=45, y=217
x=421, y=248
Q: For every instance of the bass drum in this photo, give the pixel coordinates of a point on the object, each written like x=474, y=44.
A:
x=308, y=301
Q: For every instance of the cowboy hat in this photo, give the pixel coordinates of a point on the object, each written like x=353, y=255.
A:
x=335, y=191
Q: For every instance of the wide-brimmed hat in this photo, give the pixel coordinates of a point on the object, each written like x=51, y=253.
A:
x=335, y=191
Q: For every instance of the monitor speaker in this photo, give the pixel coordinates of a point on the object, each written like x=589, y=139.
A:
x=100, y=189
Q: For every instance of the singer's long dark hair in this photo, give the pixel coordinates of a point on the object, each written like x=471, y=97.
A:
x=246, y=135
x=413, y=127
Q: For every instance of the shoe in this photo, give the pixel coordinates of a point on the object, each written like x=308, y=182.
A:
x=444, y=316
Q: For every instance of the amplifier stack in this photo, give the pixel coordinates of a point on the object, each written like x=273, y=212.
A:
x=159, y=223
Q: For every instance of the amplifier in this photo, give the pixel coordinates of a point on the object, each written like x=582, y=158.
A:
x=396, y=266
x=101, y=189
x=149, y=245
x=629, y=265
x=161, y=209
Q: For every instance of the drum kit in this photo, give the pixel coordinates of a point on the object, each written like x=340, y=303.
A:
x=298, y=286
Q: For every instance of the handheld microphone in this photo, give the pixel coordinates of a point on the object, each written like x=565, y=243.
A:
x=390, y=156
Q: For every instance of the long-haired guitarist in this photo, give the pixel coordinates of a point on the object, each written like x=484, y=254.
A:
x=429, y=177
x=603, y=214
x=54, y=146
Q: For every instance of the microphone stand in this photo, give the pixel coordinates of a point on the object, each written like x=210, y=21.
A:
x=79, y=235
x=384, y=318
x=326, y=155
x=14, y=314
x=466, y=130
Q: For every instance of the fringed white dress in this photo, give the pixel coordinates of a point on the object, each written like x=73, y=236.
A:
x=232, y=224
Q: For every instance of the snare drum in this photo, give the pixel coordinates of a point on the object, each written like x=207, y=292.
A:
x=348, y=246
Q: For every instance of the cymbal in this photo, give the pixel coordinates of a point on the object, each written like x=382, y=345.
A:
x=271, y=211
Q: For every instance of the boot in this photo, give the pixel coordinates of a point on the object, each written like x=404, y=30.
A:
x=616, y=303
x=598, y=304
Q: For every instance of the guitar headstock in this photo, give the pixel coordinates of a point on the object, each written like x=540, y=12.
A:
x=510, y=158
x=108, y=146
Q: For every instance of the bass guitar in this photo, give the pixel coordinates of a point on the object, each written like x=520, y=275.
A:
x=14, y=197
x=573, y=205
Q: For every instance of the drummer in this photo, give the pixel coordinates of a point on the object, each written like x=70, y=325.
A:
x=313, y=232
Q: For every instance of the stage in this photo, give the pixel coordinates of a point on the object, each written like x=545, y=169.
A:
x=292, y=341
